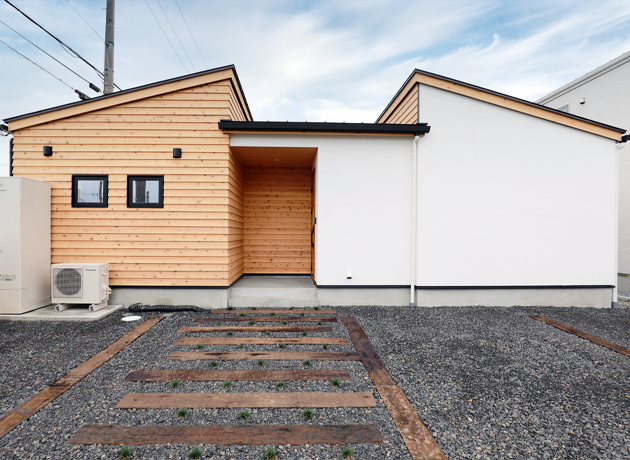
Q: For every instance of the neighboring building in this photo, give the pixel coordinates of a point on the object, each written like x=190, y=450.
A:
x=176, y=187
x=604, y=95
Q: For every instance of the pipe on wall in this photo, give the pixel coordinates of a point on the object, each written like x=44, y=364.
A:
x=414, y=218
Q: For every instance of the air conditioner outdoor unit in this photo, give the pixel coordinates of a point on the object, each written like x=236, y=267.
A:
x=73, y=284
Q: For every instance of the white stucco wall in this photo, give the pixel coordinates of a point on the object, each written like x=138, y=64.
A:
x=510, y=199
x=607, y=100
x=362, y=206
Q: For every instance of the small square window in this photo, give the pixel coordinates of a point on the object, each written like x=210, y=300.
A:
x=145, y=191
x=89, y=191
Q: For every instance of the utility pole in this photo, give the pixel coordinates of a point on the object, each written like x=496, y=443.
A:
x=108, y=86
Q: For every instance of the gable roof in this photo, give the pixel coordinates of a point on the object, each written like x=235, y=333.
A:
x=132, y=94
x=601, y=70
x=503, y=100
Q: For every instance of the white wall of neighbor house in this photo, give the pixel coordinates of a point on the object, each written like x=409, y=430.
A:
x=606, y=99
x=507, y=199
x=362, y=206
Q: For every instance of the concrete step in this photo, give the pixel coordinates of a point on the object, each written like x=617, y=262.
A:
x=273, y=291
x=272, y=301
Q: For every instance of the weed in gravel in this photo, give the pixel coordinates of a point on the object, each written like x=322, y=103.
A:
x=213, y=363
x=285, y=322
x=325, y=346
x=307, y=362
x=302, y=314
x=282, y=345
x=254, y=308
x=195, y=453
x=267, y=333
x=230, y=333
x=335, y=382
x=291, y=308
x=271, y=454
x=304, y=332
x=308, y=414
x=175, y=383
x=319, y=323
x=273, y=313
x=240, y=345
x=348, y=452
x=260, y=362
x=218, y=323
x=281, y=384
x=125, y=452
x=200, y=346
x=230, y=308
x=227, y=384
x=315, y=308
x=245, y=415
x=251, y=322
x=241, y=314
x=183, y=412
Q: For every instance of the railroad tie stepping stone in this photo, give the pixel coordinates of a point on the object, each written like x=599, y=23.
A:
x=189, y=329
x=277, y=312
x=273, y=319
x=226, y=435
x=248, y=400
x=192, y=341
x=267, y=355
x=209, y=375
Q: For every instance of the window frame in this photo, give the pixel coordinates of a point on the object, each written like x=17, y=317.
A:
x=75, y=195
x=130, y=179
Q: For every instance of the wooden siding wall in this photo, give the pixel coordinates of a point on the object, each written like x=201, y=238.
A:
x=277, y=220
x=235, y=224
x=194, y=240
x=407, y=111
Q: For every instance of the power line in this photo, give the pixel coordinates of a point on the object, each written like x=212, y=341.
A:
x=193, y=37
x=97, y=34
x=180, y=42
x=156, y=20
x=94, y=87
x=57, y=39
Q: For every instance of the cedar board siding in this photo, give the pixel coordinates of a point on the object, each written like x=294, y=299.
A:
x=235, y=224
x=277, y=222
x=407, y=111
x=195, y=239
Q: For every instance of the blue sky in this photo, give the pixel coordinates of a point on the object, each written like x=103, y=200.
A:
x=318, y=60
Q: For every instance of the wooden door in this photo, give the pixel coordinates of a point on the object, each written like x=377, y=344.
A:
x=313, y=223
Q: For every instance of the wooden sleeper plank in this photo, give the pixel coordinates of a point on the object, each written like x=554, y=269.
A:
x=272, y=319
x=261, y=340
x=188, y=329
x=284, y=311
x=245, y=400
x=268, y=355
x=210, y=375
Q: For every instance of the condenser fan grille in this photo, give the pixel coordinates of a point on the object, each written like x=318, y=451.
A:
x=68, y=282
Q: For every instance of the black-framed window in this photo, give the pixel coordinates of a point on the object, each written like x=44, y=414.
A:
x=145, y=191
x=89, y=191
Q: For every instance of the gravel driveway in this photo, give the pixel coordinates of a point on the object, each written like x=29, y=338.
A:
x=488, y=382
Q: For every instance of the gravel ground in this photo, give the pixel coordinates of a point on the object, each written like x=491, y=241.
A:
x=488, y=382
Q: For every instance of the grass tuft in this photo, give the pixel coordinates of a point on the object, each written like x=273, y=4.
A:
x=281, y=384
x=305, y=332
x=308, y=414
x=241, y=314
x=175, y=383
x=213, y=363
x=251, y=322
x=244, y=415
x=336, y=383
x=315, y=308
x=307, y=362
x=125, y=452
x=227, y=384
x=319, y=323
x=183, y=412
x=325, y=346
x=302, y=314
x=290, y=308
x=348, y=452
x=271, y=454
x=273, y=313
x=267, y=333
x=282, y=345
x=240, y=345
x=254, y=308
x=285, y=322
x=230, y=333
x=230, y=308
x=195, y=453
x=200, y=346
x=218, y=323
x=260, y=362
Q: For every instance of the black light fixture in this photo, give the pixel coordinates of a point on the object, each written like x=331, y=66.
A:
x=177, y=153
x=47, y=150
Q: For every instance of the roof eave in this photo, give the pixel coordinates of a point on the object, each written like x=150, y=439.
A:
x=323, y=127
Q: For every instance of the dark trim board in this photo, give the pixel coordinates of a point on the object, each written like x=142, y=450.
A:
x=316, y=127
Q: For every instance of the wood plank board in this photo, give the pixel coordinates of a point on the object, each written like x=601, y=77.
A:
x=210, y=375
x=229, y=435
x=268, y=355
x=186, y=329
x=371, y=360
x=272, y=319
x=417, y=437
x=13, y=418
x=245, y=400
x=261, y=340
x=591, y=338
x=284, y=311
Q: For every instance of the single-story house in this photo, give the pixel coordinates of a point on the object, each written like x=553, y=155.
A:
x=456, y=195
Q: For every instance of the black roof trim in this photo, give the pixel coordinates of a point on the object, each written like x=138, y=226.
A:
x=137, y=88
x=496, y=93
x=324, y=127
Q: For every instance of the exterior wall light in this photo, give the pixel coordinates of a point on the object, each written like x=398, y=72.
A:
x=177, y=153
x=582, y=101
x=48, y=150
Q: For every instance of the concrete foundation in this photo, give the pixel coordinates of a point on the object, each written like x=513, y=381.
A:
x=200, y=297
x=623, y=282
x=74, y=313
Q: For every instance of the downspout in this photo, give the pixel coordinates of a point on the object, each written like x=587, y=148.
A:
x=614, y=303
x=414, y=218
